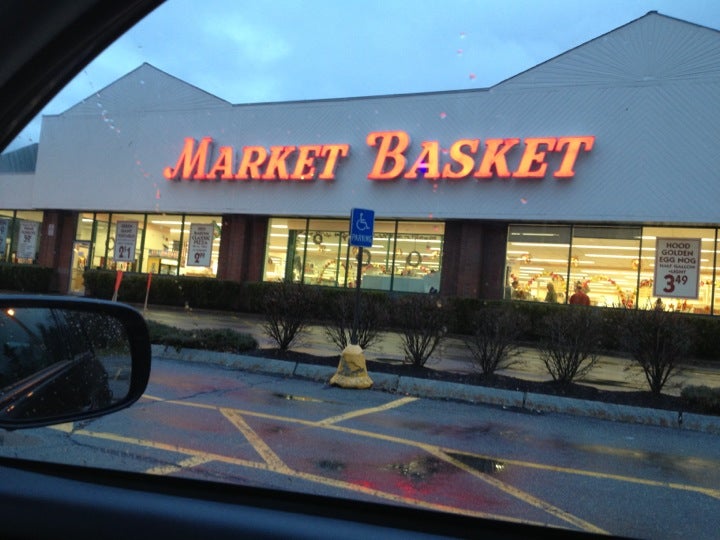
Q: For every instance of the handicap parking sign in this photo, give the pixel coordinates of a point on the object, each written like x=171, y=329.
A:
x=362, y=223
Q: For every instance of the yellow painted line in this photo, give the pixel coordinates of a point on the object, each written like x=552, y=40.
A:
x=441, y=452
x=363, y=412
x=715, y=493
x=399, y=499
x=710, y=492
x=187, y=404
x=154, y=445
x=301, y=475
x=277, y=465
x=521, y=495
x=184, y=464
x=260, y=446
x=502, y=486
x=65, y=428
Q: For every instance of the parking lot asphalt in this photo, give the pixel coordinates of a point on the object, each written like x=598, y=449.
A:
x=610, y=373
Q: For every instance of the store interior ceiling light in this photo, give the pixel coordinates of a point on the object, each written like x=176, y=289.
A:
x=538, y=245
x=608, y=256
x=543, y=234
x=596, y=246
x=551, y=261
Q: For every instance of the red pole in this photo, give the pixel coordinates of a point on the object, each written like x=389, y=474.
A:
x=147, y=291
x=118, y=280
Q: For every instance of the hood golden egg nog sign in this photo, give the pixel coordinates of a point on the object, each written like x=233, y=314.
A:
x=393, y=159
x=677, y=267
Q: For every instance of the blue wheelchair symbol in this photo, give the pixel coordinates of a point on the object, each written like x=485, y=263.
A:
x=362, y=223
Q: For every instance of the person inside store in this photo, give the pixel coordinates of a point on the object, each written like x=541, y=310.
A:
x=579, y=298
x=551, y=295
x=517, y=292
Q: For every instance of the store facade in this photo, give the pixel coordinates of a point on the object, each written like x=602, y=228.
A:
x=567, y=173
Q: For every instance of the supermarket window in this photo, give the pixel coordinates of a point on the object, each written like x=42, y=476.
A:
x=418, y=256
x=326, y=244
x=201, y=246
x=177, y=244
x=702, y=303
x=605, y=261
x=124, y=245
x=537, y=262
x=283, y=257
x=405, y=256
x=20, y=234
x=6, y=219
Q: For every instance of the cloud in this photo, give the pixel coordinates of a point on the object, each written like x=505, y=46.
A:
x=247, y=52
x=245, y=43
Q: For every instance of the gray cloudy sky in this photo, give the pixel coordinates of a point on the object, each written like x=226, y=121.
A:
x=249, y=51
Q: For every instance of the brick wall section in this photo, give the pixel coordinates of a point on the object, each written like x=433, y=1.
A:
x=56, y=246
x=242, y=247
x=492, y=275
x=474, y=259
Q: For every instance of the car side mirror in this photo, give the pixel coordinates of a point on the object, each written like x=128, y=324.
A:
x=64, y=359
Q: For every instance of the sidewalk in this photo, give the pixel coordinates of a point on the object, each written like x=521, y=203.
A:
x=610, y=373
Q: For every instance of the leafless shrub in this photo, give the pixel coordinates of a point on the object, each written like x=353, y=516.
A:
x=569, y=345
x=423, y=326
x=286, y=306
x=657, y=340
x=493, y=344
x=371, y=321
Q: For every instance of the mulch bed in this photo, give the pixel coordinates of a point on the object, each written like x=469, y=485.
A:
x=574, y=390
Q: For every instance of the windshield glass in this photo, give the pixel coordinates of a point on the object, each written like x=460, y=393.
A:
x=461, y=256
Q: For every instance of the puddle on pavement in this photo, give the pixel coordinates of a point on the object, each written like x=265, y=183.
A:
x=668, y=463
x=274, y=430
x=291, y=397
x=421, y=469
x=484, y=465
x=331, y=465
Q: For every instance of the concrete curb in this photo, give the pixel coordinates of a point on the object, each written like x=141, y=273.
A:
x=243, y=363
x=432, y=389
x=446, y=390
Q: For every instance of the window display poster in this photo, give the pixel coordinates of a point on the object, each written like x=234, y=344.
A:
x=27, y=239
x=677, y=267
x=200, y=244
x=4, y=226
x=125, y=240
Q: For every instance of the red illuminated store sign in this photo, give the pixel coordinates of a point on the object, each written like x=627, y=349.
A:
x=464, y=161
x=256, y=163
x=466, y=158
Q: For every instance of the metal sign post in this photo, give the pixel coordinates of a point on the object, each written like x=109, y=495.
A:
x=362, y=225
x=352, y=370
